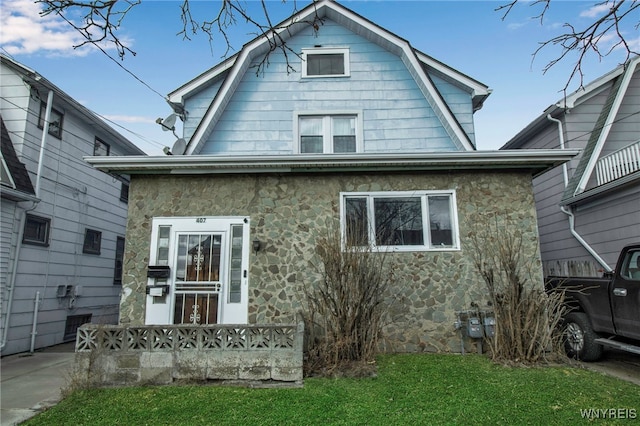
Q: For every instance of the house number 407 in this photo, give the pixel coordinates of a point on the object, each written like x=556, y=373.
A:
x=201, y=219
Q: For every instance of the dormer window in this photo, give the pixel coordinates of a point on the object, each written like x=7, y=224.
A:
x=325, y=62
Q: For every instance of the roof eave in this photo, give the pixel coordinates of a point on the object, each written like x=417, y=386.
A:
x=534, y=161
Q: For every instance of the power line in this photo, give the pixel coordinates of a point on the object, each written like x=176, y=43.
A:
x=115, y=61
x=82, y=138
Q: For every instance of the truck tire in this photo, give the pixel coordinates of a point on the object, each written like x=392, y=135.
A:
x=579, y=338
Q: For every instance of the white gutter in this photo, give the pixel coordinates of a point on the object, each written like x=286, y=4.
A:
x=565, y=174
x=535, y=159
x=569, y=213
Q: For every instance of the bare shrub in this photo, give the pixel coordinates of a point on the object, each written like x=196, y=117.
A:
x=346, y=307
x=528, y=319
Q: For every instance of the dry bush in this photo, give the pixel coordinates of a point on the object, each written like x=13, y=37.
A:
x=346, y=308
x=528, y=319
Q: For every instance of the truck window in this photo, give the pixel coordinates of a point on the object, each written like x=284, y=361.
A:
x=631, y=266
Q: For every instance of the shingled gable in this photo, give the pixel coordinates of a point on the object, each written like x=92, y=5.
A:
x=233, y=69
x=18, y=172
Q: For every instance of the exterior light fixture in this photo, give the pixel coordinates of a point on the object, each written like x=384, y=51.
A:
x=256, y=245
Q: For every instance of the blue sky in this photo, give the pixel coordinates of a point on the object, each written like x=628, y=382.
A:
x=469, y=36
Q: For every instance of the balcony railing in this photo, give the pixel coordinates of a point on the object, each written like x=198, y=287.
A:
x=618, y=164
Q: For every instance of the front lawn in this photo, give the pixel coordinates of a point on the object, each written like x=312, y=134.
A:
x=410, y=389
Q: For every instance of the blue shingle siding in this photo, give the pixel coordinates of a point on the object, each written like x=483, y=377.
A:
x=396, y=116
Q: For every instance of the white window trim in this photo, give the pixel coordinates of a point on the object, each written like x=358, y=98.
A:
x=386, y=194
x=328, y=146
x=326, y=51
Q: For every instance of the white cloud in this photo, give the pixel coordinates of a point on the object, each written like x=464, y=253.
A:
x=595, y=11
x=24, y=31
x=130, y=119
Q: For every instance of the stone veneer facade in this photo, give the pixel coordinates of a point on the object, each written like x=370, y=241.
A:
x=289, y=211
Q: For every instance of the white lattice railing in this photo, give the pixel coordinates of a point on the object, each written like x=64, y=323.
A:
x=618, y=164
x=184, y=337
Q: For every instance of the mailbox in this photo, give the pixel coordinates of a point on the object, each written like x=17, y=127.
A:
x=159, y=271
x=157, y=290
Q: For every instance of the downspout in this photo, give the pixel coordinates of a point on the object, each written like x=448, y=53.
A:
x=12, y=278
x=43, y=141
x=568, y=212
x=43, y=144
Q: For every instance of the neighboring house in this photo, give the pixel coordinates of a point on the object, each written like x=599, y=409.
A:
x=63, y=222
x=590, y=208
x=368, y=133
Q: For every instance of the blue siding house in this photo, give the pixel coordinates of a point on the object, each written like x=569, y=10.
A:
x=357, y=130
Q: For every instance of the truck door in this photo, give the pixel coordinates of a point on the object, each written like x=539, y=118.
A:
x=625, y=296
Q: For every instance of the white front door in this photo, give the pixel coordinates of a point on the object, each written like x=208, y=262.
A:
x=207, y=260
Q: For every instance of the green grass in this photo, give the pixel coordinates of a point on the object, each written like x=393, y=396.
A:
x=410, y=389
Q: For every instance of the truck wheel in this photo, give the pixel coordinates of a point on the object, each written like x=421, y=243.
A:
x=579, y=338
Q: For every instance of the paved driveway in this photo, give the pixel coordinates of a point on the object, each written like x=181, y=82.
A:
x=623, y=365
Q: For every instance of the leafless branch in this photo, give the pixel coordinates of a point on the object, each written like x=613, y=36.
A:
x=99, y=22
x=589, y=40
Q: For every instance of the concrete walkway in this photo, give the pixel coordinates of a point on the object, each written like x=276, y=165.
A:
x=32, y=382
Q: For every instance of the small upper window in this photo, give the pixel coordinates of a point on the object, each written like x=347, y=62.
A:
x=100, y=148
x=323, y=62
x=92, y=241
x=36, y=230
x=55, y=121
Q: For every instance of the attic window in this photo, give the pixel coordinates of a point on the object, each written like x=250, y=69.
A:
x=5, y=176
x=322, y=62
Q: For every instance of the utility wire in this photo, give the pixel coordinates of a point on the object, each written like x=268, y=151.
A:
x=115, y=61
x=82, y=138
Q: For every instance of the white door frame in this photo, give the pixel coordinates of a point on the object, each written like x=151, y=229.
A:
x=160, y=298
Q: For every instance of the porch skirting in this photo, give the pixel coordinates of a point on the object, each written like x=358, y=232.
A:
x=114, y=355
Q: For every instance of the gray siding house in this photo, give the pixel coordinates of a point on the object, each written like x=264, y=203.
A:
x=367, y=134
x=63, y=222
x=590, y=208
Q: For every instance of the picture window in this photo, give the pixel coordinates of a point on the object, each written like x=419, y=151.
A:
x=400, y=221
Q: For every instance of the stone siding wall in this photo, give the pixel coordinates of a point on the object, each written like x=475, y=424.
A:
x=288, y=212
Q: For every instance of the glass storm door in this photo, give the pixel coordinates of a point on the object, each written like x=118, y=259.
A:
x=206, y=282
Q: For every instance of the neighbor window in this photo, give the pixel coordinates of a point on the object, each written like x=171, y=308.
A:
x=55, y=121
x=329, y=134
x=124, y=192
x=100, y=148
x=117, y=269
x=92, y=241
x=403, y=221
x=36, y=230
x=323, y=62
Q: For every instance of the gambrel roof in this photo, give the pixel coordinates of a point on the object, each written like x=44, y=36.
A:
x=232, y=70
